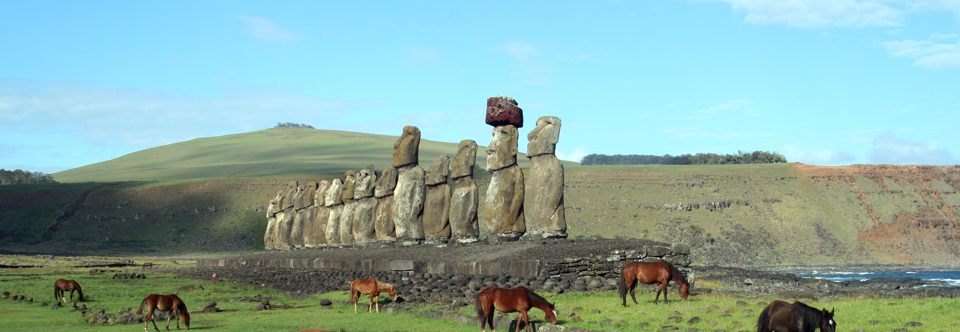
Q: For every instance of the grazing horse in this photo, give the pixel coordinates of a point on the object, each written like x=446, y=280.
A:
x=648, y=273
x=64, y=285
x=781, y=316
x=164, y=303
x=372, y=287
x=511, y=300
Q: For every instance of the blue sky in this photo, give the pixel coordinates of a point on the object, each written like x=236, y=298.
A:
x=824, y=82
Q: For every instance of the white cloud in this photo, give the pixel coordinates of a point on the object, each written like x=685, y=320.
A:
x=520, y=51
x=267, y=29
x=151, y=118
x=576, y=155
x=889, y=149
x=826, y=157
x=416, y=55
x=928, y=53
x=816, y=13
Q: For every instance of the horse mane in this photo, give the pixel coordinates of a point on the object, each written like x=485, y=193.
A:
x=381, y=284
x=536, y=297
x=79, y=290
x=676, y=273
x=808, y=315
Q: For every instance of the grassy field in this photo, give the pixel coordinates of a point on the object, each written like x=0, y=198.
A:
x=712, y=312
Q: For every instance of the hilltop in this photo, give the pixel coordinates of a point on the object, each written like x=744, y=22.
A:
x=208, y=195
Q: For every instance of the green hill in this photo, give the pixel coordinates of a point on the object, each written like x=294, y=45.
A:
x=266, y=153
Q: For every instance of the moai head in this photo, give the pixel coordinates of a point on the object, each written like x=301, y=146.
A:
x=406, y=150
x=465, y=159
x=320, y=198
x=334, y=192
x=438, y=171
x=386, y=183
x=365, y=183
x=544, y=138
x=288, y=195
x=349, y=184
x=502, y=152
x=308, y=193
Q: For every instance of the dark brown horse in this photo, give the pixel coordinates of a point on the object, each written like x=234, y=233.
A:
x=64, y=285
x=164, y=303
x=372, y=287
x=649, y=273
x=781, y=316
x=511, y=300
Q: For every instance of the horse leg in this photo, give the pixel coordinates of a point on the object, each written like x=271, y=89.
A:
x=659, y=290
x=526, y=320
x=372, y=301
x=168, y=322
x=633, y=292
x=356, y=299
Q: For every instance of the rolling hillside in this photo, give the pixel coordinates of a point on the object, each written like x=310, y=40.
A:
x=209, y=195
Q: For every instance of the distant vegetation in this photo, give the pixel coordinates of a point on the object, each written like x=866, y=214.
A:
x=292, y=125
x=755, y=157
x=24, y=177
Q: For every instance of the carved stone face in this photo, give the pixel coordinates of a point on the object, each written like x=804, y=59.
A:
x=365, y=181
x=386, y=183
x=349, y=184
x=502, y=152
x=321, y=195
x=465, y=159
x=406, y=150
x=438, y=171
x=543, y=139
x=334, y=192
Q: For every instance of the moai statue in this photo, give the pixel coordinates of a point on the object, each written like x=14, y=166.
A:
x=503, y=205
x=436, y=209
x=285, y=217
x=270, y=235
x=304, y=214
x=313, y=234
x=365, y=213
x=383, y=222
x=349, y=206
x=335, y=207
x=410, y=193
x=465, y=197
x=543, y=199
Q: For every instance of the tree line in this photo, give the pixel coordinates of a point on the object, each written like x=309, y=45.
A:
x=292, y=125
x=755, y=157
x=24, y=177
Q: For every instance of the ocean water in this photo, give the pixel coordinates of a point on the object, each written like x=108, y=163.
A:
x=952, y=278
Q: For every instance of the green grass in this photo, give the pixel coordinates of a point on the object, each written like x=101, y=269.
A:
x=714, y=312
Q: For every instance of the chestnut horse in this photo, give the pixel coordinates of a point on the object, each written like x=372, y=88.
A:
x=164, y=303
x=372, y=287
x=649, y=273
x=511, y=300
x=64, y=285
x=781, y=316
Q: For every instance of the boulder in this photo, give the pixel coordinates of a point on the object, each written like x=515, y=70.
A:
x=503, y=110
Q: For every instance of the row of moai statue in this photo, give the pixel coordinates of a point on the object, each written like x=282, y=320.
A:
x=406, y=203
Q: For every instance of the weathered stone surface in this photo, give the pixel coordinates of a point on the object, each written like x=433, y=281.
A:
x=313, y=230
x=386, y=183
x=409, y=197
x=364, y=218
x=466, y=158
x=349, y=206
x=296, y=231
x=270, y=235
x=305, y=198
x=335, y=208
x=464, y=202
x=284, y=226
x=502, y=209
x=383, y=221
x=287, y=200
x=502, y=152
x=346, y=221
x=274, y=206
x=438, y=171
x=543, y=197
x=406, y=150
x=365, y=183
x=436, y=211
x=503, y=110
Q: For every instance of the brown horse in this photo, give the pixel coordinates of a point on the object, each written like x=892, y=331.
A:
x=164, y=303
x=781, y=316
x=64, y=285
x=648, y=273
x=511, y=300
x=372, y=287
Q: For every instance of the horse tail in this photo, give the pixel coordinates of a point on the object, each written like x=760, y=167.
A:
x=622, y=286
x=480, y=315
x=353, y=292
x=79, y=291
x=55, y=289
x=140, y=311
x=763, y=323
